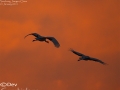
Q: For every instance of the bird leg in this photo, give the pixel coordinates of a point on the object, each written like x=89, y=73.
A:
x=34, y=40
x=78, y=59
x=46, y=41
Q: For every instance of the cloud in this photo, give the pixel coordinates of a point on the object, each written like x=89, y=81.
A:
x=90, y=27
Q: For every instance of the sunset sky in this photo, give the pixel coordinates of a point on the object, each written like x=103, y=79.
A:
x=91, y=27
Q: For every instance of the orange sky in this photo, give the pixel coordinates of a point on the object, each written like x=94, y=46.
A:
x=90, y=27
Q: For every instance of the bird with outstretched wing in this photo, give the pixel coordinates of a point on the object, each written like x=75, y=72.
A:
x=42, y=38
x=55, y=42
x=96, y=60
x=84, y=57
x=77, y=53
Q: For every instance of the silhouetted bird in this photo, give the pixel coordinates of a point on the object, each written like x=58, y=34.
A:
x=86, y=58
x=42, y=38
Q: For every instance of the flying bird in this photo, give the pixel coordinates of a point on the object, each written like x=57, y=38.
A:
x=42, y=38
x=86, y=58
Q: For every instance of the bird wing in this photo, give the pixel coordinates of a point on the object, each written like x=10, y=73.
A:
x=97, y=60
x=55, y=42
x=34, y=34
x=77, y=53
